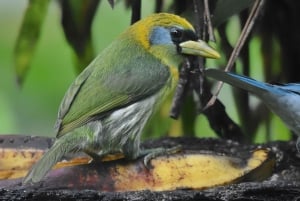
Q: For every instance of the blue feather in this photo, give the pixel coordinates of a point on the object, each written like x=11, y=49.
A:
x=283, y=100
x=160, y=35
x=256, y=87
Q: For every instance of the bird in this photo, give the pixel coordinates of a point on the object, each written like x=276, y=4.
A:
x=282, y=99
x=107, y=106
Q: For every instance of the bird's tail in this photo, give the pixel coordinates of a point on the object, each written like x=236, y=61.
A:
x=239, y=81
x=61, y=146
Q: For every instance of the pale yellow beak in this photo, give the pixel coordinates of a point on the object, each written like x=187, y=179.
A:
x=199, y=48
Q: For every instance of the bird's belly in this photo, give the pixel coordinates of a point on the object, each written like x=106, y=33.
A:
x=122, y=126
x=288, y=109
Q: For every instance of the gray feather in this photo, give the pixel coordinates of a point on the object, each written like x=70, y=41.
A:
x=50, y=158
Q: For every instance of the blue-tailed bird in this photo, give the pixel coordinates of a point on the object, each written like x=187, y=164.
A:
x=107, y=106
x=283, y=100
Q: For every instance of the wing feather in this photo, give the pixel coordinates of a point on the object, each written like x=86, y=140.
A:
x=107, y=85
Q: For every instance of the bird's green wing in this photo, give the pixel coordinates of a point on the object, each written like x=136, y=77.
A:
x=101, y=89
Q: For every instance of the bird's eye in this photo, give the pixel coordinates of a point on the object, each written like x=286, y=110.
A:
x=176, y=35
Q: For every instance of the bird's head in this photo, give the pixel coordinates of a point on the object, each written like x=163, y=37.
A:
x=169, y=38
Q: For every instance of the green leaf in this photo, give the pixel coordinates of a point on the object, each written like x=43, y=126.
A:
x=28, y=36
x=77, y=18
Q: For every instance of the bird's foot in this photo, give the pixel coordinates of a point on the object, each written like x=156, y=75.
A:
x=150, y=154
x=94, y=156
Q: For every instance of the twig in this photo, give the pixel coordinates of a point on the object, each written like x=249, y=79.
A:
x=136, y=11
x=181, y=90
x=245, y=33
x=198, y=22
x=216, y=115
x=158, y=6
x=191, y=77
x=184, y=75
x=201, y=33
x=211, y=35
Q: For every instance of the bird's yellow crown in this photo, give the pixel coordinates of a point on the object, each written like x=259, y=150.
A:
x=141, y=29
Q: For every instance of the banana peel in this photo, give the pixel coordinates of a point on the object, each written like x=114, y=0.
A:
x=184, y=170
x=14, y=163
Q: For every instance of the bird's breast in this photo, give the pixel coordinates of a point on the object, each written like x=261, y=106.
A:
x=175, y=75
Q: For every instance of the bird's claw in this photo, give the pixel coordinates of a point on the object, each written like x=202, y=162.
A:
x=150, y=154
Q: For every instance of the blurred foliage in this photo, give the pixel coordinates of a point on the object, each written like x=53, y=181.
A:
x=77, y=18
x=89, y=26
x=29, y=35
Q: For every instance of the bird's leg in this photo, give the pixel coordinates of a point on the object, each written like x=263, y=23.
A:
x=131, y=150
x=103, y=156
x=94, y=155
x=150, y=154
x=298, y=144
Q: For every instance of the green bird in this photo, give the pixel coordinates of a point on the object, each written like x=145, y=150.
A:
x=107, y=106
